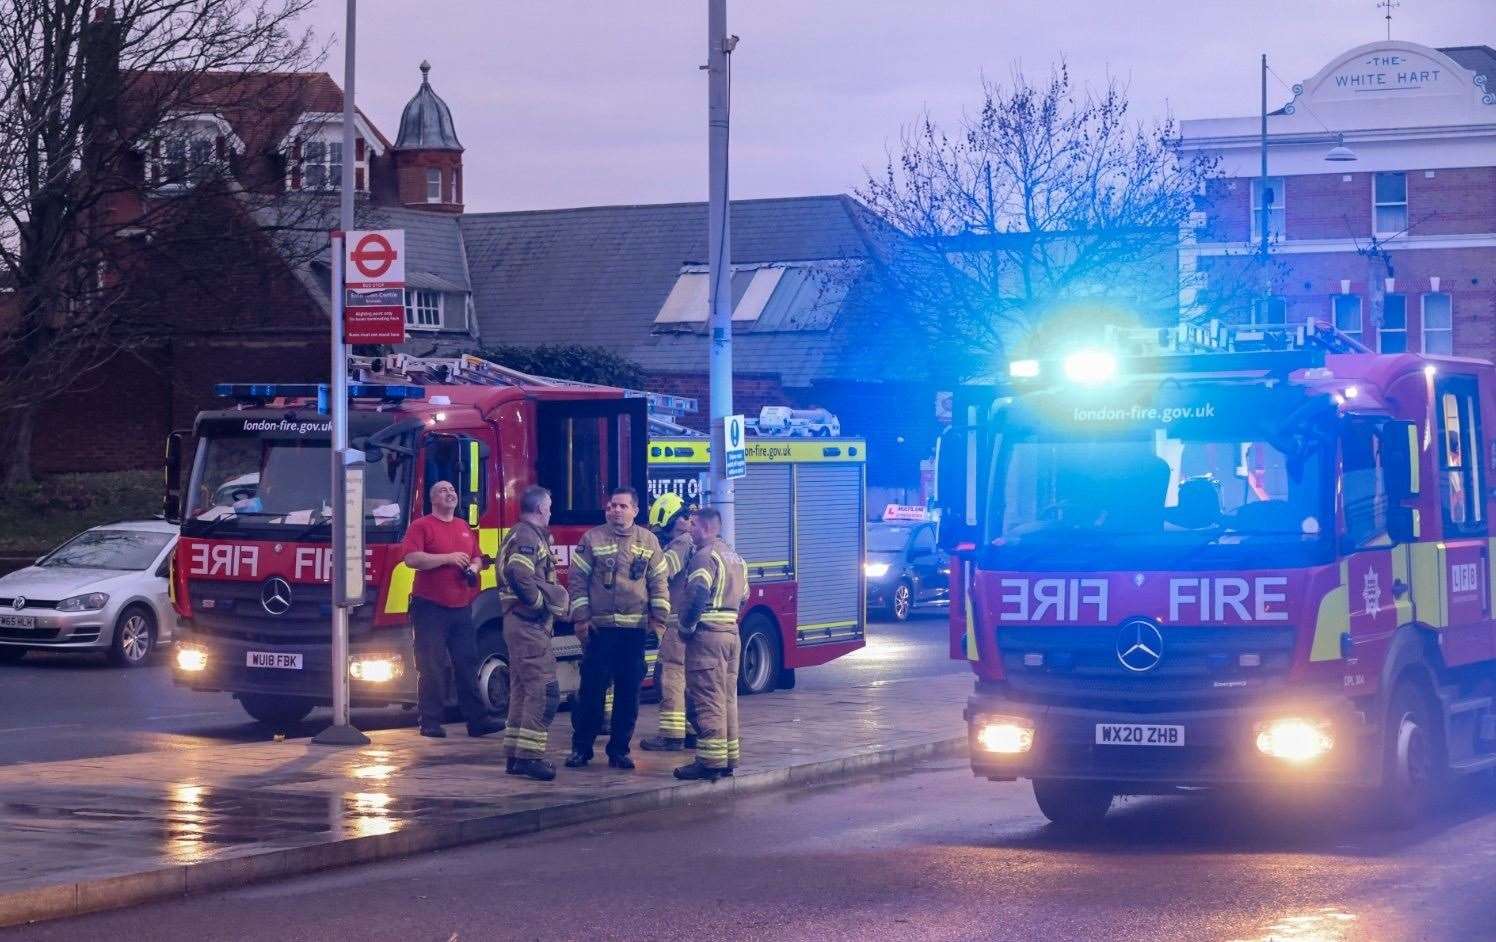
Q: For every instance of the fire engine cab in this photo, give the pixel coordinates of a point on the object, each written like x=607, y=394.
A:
x=251, y=573
x=1213, y=556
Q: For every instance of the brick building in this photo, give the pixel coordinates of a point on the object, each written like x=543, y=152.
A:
x=1396, y=248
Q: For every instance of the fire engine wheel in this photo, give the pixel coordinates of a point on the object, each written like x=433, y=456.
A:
x=1413, y=767
x=493, y=673
x=274, y=710
x=760, y=661
x=1072, y=805
x=902, y=601
x=134, y=638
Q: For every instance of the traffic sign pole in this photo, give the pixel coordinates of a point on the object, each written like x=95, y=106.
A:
x=341, y=732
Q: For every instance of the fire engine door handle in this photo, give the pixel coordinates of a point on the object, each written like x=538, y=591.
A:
x=1399, y=588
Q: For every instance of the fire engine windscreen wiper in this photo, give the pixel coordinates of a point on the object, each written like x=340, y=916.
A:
x=216, y=522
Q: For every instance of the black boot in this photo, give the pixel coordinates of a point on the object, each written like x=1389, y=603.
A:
x=434, y=731
x=509, y=765
x=577, y=761
x=698, y=772
x=621, y=762
x=484, y=727
x=661, y=744
x=539, y=769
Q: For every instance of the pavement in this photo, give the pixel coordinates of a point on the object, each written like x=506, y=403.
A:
x=104, y=831
x=919, y=851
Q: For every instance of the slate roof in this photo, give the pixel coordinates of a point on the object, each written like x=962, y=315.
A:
x=1479, y=59
x=433, y=247
x=599, y=275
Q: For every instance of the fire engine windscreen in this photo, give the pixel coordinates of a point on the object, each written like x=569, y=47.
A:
x=1215, y=481
x=272, y=476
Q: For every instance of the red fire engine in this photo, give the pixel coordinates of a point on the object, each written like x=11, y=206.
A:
x=251, y=573
x=1211, y=556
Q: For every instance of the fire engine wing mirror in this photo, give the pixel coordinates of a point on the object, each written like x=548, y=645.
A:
x=956, y=486
x=171, y=500
x=1400, y=457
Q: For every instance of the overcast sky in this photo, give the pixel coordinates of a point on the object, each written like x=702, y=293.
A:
x=585, y=102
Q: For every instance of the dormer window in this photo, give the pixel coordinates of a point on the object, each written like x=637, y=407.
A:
x=179, y=159
x=321, y=165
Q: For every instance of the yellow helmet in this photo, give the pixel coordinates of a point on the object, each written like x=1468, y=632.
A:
x=666, y=509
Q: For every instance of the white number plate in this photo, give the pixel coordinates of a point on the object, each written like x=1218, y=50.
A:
x=17, y=621
x=285, y=662
x=1138, y=734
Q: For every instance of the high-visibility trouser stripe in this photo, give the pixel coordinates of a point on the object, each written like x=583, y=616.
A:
x=734, y=750
x=530, y=740
x=608, y=701
x=712, y=752
x=673, y=724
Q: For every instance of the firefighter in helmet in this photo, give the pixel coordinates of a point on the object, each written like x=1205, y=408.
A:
x=672, y=518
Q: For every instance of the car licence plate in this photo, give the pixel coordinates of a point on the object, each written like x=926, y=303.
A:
x=1138, y=734
x=285, y=662
x=17, y=621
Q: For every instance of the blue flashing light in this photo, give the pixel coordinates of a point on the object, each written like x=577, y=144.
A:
x=1090, y=367
x=263, y=392
x=389, y=392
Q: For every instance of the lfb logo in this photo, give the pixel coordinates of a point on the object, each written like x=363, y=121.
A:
x=1371, y=592
x=1464, y=578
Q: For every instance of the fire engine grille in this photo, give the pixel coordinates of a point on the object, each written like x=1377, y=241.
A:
x=1080, y=666
x=234, y=610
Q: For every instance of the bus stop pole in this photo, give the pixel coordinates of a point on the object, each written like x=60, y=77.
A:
x=341, y=732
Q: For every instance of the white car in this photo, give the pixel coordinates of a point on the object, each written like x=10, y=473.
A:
x=103, y=590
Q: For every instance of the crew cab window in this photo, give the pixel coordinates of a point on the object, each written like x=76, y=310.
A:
x=586, y=448
x=1363, y=485
x=448, y=459
x=1457, y=415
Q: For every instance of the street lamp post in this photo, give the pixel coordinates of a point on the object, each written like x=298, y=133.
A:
x=342, y=731
x=719, y=247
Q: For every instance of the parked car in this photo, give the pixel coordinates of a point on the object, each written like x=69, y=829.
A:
x=103, y=590
x=905, y=568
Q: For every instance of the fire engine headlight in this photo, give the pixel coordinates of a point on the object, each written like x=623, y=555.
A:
x=1295, y=739
x=91, y=602
x=1005, y=735
x=1023, y=369
x=191, y=658
x=1090, y=366
x=875, y=570
x=376, y=669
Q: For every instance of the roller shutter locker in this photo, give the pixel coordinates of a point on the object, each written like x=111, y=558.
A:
x=828, y=551
x=763, y=515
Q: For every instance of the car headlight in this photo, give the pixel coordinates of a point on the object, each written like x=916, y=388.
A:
x=376, y=669
x=91, y=602
x=875, y=570
x=1294, y=739
x=191, y=658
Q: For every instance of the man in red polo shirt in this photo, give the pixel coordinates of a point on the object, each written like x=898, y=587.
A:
x=443, y=551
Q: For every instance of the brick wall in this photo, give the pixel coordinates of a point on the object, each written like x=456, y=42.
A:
x=410, y=178
x=1467, y=274
x=750, y=393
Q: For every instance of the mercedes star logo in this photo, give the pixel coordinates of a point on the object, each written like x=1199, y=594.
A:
x=275, y=597
x=1140, y=645
x=18, y=603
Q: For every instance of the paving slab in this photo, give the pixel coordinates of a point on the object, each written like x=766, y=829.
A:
x=95, y=834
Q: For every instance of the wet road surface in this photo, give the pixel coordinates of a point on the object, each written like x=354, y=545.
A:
x=55, y=707
x=928, y=853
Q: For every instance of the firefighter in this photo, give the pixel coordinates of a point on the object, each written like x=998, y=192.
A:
x=672, y=518
x=716, y=587
x=530, y=599
x=619, y=590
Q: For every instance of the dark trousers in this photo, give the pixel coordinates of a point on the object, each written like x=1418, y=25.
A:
x=443, y=633
x=616, y=656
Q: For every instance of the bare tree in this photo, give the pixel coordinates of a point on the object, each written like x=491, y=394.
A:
x=121, y=184
x=1048, y=211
